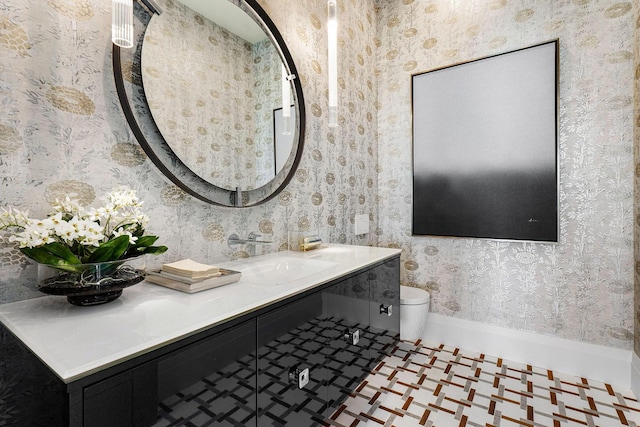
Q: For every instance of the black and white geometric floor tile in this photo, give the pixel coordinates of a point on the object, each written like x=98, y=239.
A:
x=422, y=385
x=414, y=385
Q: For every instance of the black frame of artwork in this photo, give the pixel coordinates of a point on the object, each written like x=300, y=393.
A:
x=485, y=147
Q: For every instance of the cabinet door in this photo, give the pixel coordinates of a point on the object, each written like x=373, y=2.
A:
x=384, y=281
x=346, y=328
x=30, y=394
x=210, y=382
x=127, y=399
x=291, y=371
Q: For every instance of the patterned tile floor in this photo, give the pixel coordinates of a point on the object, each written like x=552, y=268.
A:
x=438, y=386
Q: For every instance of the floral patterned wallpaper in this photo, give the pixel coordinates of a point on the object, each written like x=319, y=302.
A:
x=62, y=133
x=581, y=288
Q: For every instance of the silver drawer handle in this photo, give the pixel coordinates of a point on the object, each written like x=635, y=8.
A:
x=352, y=337
x=386, y=309
x=299, y=377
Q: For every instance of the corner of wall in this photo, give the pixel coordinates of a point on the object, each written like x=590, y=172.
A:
x=635, y=362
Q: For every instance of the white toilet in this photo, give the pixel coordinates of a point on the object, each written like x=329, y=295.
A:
x=414, y=310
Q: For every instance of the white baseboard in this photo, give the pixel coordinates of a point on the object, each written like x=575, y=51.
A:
x=635, y=373
x=600, y=363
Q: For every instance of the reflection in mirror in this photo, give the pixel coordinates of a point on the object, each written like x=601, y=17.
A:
x=213, y=87
x=283, y=137
x=127, y=72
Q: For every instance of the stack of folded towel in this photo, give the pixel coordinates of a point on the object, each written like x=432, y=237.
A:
x=190, y=271
x=190, y=276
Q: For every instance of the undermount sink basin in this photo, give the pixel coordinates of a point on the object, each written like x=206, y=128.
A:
x=282, y=270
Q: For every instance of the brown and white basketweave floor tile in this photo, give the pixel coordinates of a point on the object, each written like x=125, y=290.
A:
x=438, y=386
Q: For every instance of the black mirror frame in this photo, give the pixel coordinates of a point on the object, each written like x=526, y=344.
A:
x=138, y=116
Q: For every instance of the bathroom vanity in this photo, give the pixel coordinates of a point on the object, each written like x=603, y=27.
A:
x=283, y=346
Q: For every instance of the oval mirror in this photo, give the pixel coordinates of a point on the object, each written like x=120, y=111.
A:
x=212, y=95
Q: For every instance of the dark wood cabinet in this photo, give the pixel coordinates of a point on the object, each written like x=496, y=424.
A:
x=314, y=351
x=30, y=393
x=348, y=338
x=361, y=334
x=293, y=362
x=126, y=400
x=213, y=379
x=384, y=284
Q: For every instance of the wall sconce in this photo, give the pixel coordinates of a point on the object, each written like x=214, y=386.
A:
x=286, y=101
x=122, y=23
x=332, y=72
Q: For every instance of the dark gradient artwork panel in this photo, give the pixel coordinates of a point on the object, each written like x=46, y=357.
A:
x=499, y=204
x=485, y=157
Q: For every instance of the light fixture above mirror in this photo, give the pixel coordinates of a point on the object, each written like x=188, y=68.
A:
x=332, y=59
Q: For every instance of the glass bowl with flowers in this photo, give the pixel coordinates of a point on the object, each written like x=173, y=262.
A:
x=87, y=254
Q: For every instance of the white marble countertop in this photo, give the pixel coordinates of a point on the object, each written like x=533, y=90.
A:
x=77, y=341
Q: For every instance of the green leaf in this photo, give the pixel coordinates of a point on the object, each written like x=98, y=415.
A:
x=111, y=250
x=144, y=246
x=151, y=250
x=145, y=241
x=54, y=253
x=63, y=251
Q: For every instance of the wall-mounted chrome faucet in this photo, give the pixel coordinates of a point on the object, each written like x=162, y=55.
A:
x=252, y=239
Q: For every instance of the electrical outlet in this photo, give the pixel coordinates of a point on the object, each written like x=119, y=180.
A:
x=361, y=224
